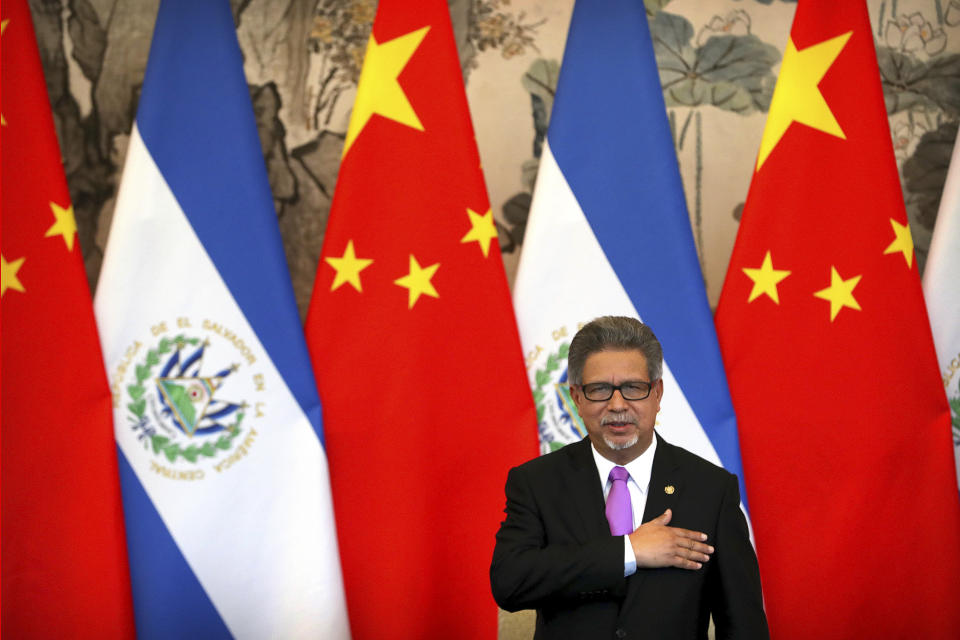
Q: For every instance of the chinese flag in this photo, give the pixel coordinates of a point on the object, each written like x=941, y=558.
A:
x=844, y=426
x=425, y=398
x=64, y=559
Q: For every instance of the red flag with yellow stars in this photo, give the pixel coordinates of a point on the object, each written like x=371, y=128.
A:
x=844, y=426
x=64, y=559
x=415, y=348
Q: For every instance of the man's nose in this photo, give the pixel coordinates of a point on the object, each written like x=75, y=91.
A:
x=617, y=400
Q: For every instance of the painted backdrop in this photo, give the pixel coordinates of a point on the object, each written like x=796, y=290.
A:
x=303, y=57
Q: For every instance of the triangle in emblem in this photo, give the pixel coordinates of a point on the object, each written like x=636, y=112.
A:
x=188, y=399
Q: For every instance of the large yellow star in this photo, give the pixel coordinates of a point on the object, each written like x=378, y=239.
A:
x=765, y=279
x=378, y=90
x=839, y=293
x=65, y=225
x=348, y=268
x=482, y=230
x=418, y=281
x=8, y=275
x=796, y=98
x=903, y=242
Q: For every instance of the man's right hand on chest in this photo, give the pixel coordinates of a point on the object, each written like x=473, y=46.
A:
x=657, y=545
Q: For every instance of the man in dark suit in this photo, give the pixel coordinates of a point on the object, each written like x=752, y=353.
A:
x=570, y=546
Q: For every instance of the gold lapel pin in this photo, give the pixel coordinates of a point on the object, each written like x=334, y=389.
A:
x=669, y=489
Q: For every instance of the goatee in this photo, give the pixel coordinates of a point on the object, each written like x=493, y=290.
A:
x=620, y=446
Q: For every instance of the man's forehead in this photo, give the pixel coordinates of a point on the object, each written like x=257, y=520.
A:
x=619, y=351
x=609, y=358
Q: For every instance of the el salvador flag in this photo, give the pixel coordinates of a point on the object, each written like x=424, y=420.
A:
x=225, y=486
x=609, y=234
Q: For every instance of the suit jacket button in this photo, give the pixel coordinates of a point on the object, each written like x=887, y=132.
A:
x=620, y=633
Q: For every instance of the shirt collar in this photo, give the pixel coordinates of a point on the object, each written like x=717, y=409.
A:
x=639, y=468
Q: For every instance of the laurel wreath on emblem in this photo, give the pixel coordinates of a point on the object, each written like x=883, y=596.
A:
x=543, y=377
x=138, y=406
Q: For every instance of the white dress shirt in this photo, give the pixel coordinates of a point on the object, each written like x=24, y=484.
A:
x=638, y=483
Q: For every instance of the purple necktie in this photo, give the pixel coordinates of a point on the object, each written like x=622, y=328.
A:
x=619, y=510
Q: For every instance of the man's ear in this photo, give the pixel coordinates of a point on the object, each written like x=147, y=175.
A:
x=658, y=391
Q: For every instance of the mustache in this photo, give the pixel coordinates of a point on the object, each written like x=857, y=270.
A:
x=621, y=417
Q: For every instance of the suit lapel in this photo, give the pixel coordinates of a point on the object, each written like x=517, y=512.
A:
x=584, y=489
x=666, y=483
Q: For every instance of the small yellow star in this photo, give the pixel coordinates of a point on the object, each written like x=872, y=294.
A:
x=839, y=293
x=378, y=90
x=903, y=242
x=765, y=280
x=8, y=275
x=418, y=281
x=348, y=268
x=66, y=224
x=482, y=230
x=796, y=96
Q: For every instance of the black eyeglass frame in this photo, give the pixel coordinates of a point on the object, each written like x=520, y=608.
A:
x=597, y=386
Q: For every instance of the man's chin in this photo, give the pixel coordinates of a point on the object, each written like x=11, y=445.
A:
x=620, y=444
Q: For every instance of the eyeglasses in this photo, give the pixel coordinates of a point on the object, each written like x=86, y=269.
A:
x=603, y=391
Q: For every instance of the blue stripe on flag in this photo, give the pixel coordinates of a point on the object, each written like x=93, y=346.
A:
x=196, y=118
x=168, y=601
x=619, y=161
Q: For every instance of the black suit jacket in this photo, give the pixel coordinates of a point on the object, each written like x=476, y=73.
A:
x=554, y=553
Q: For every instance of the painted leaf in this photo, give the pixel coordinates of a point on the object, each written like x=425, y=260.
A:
x=730, y=72
x=909, y=82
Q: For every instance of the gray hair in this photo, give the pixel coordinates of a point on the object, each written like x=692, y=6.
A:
x=614, y=333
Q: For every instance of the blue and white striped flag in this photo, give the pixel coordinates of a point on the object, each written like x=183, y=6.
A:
x=942, y=294
x=609, y=234
x=226, y=495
